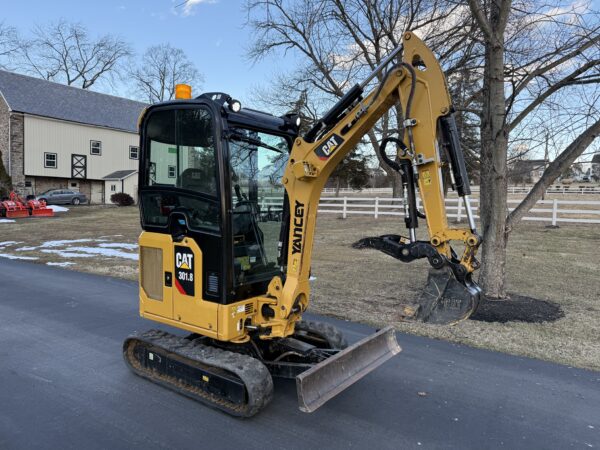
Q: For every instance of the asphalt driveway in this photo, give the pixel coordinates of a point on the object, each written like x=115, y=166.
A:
x=63, y=384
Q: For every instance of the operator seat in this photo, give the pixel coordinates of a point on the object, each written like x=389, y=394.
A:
x=198, y=179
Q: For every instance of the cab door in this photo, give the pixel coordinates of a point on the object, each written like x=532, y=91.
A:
x=181, y=206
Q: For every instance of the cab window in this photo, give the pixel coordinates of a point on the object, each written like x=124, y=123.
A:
x=180, y=153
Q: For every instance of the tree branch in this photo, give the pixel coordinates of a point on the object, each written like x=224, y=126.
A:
x=556, y=167
x=481, y=19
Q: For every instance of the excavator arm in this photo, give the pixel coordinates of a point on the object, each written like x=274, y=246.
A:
x=418, y=85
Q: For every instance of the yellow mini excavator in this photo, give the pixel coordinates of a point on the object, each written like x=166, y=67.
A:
x=228, y=204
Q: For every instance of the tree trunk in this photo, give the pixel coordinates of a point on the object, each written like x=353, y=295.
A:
x=493, y=196
x=397, y=190
x=337, y=187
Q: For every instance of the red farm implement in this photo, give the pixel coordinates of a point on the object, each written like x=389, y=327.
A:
x=39, y=208
x=16, y=207
x=12, y=209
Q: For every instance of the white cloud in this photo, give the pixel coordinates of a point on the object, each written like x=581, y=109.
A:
x=189, y=6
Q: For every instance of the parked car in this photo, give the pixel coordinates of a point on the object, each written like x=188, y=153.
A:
x=62, y=196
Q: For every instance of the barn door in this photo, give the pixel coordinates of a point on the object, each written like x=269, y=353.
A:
x=78, y=166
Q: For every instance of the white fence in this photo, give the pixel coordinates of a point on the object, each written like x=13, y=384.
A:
x=558, y=189
x=552, y=211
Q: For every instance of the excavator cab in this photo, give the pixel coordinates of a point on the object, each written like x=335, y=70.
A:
x=213, y=176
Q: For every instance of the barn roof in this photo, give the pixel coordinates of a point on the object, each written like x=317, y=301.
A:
x=119, y=175
x=48, y=99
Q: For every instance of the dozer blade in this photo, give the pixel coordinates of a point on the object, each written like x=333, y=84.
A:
x=19, y=213
x=46, y=212
x=445, y=300
x=330, y=377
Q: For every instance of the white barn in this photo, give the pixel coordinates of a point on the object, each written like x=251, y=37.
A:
x=54, y=136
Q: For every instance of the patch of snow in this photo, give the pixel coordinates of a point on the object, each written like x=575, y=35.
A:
x=52, y=244
x=49, y=244
x=89, y=252
x=104, y=252
x=7, y=243
x=57, y=208
x=60, y=264
x=6, y=221
x=26, y=258
x=120, y=245
x=67, y=254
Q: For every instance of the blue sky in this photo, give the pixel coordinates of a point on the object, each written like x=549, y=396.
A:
x=211, y=32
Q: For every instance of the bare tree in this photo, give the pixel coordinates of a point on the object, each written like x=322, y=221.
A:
x=64, y=52
x=534, y=52
x=161, y=68
x=9, y=45
x=339, y=41
x=511, y=66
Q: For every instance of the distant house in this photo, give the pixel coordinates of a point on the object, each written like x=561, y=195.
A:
x=57, y=136
x=595, y=172
x=527, y=171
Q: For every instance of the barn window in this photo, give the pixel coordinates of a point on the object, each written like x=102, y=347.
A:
x=95, y=148
x=172, y=171
x=50, y=160
x=113, y=187
x=133, y=152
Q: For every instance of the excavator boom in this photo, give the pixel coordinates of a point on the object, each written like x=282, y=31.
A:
x=419, y=86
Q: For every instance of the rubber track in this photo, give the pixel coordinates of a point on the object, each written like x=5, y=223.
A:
x=253, y=373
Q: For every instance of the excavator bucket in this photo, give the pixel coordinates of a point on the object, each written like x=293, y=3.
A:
x=445, y=300
x=327, y=379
